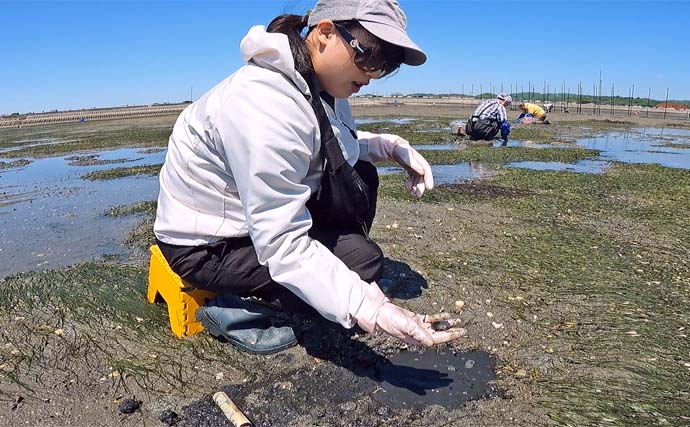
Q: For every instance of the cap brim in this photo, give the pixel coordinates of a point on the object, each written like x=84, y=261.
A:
x=413, y=54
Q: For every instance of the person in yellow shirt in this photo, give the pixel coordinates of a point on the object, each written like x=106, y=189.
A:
x=534, y=111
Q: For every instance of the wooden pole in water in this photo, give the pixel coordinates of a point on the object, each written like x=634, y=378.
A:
x=613, y=91
x=632, y=95
x=599, y=109
x=666, y=103
x=649, y=100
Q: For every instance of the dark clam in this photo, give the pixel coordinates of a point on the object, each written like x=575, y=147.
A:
x=440, y=325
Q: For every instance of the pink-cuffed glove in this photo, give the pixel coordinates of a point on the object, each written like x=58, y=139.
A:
x=383, y=147
x=378, y=314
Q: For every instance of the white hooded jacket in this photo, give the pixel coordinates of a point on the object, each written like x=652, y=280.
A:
x=244, y=160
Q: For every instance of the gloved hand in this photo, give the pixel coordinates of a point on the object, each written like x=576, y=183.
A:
x=378, y=314
x=385, y=146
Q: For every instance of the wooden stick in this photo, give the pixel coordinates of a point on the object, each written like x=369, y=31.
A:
x=231, y=411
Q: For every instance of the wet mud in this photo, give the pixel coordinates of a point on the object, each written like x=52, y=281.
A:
x=361, y=389
x=446, y=378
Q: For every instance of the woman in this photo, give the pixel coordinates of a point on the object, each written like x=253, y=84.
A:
x=532, y=110
x=241, y=206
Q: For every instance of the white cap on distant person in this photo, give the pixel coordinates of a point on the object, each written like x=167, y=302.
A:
x=382, y=18
x=507, y=99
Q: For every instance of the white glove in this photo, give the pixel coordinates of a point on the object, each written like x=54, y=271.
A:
x=377, y=314
x=385, y=146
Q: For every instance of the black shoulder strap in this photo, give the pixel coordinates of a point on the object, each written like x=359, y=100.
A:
x=330, y=148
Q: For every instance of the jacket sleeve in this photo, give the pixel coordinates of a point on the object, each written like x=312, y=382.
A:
x=502, y=115
x=268, y=140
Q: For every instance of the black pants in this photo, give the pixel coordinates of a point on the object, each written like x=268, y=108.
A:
x=231, y=265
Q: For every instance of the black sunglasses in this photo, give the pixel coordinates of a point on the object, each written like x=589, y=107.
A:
x=363, y=54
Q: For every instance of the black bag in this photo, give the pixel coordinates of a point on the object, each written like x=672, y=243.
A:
x=482, y=128
x=485, y=128
x=343, y=197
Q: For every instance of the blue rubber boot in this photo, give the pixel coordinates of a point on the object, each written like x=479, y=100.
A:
x=505, y=131
x=247, y=325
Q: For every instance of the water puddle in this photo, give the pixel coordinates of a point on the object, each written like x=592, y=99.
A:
x=645, y=146
x=395, y=121
x=35, y=143
x=439, y=147
x=417, y=380
x=50, y=217
x=450, y=174
x=582, y=166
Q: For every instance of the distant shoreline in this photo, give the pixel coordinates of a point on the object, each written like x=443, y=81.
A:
x=109, y=113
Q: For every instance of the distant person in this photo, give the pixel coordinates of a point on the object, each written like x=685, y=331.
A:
x=548, y=107
x=534, y=111
x=268, y=191
x=489, y=118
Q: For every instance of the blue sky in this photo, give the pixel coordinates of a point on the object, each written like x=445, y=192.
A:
x=84, y=54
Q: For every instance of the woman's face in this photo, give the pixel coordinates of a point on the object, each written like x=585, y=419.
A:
x=333, y=61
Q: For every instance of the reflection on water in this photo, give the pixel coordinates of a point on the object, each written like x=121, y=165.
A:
x=582, y=166
x=395, y=121
x=35, y=143
x=645, y=146
x=50, y=217
x=450, y=174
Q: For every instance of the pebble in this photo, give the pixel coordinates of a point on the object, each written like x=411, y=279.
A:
x=129, y=406
x=469, y=364
x=521, y=373
x=348, y=406
x=169, y=417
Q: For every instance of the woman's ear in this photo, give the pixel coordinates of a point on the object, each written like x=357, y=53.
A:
x=325, y=31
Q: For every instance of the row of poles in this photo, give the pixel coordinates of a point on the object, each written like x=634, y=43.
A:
x=565, y=100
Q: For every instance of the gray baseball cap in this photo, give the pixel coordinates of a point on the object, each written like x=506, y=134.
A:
x=382, y=18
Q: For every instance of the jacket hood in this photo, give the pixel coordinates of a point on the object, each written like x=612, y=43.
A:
x=271, y=51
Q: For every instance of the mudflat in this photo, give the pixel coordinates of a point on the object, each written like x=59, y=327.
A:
x=574, y=285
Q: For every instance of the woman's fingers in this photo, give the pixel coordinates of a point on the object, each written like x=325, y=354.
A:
x=439, y=337
x=431, y=318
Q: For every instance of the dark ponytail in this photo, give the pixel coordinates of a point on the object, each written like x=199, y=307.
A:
x=292, y=26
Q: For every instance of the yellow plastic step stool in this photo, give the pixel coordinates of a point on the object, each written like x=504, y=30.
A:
x=181, y=300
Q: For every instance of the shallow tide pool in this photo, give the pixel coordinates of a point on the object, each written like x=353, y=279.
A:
x=50, y=217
